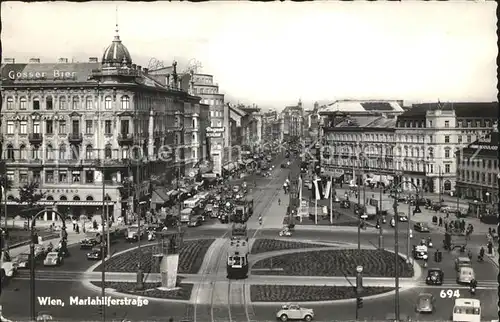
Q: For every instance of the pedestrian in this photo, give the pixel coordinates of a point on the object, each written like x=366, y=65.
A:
x=445, y=226
x=77, y=228
x=74, y=224
x=440, y=221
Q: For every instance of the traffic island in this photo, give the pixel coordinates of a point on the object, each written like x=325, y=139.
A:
x=269, y=245
x=154, y=290
x=338, y=262
x=343, y=221
x=191, y=257
x=297, y=293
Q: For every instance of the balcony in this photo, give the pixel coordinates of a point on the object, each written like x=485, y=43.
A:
x=35, y=138
x=75, y=138
x=125, y=139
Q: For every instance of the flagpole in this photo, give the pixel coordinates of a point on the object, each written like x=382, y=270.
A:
x=331, y=199
x=315, y=210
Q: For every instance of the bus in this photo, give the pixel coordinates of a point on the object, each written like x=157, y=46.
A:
x=303, y=167
x=467, y=310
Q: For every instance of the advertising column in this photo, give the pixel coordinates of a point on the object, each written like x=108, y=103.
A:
x=216, y=137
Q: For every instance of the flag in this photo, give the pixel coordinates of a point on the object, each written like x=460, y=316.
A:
x=300, y=188
x=328, y=189
x=317, y=186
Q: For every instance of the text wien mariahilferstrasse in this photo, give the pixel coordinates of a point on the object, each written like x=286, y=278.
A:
x=93, y=301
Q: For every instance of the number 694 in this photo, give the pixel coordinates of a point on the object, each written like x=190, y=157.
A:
x=449, y=294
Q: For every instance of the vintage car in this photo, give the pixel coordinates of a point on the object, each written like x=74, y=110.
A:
x=133, y=234
x=462, y=261
x=345, y=204
x=425, y=303
x=91, y=239
x=53, y=259
x=95, y=253
x=465, y=275
x=195, y=221
x=420, y=252
x=294, y=312
x=402, y=217
x=23, y=260
x=435, y=276
x=421, y=227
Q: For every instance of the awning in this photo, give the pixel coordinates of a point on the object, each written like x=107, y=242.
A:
x=159, y=196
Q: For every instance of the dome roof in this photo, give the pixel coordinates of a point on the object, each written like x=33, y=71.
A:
x=116, y=53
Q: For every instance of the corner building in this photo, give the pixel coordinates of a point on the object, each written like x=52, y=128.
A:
x=75, y=127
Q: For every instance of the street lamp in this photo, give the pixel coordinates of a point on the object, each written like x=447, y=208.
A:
x=359, y=289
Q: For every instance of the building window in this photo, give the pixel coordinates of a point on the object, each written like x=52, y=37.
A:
x=469, y=138
x=447, y=153
x=88, y=103
x=430, y=123
x=487, y=123
x=22, y=103
x=63, y=177
x=62, y=152
x=108, y=103
x=37, y=177
x=23, y=127
x=10, y=152
x=50, y=152
x=62, y=127
x=469, y=124
x=36, y=127
x=124, y=127
x=107, y=127
x=35, y=152
x=447, y=168
x=62, y=103
x=88, y=127
x=125, y=153
x=446, y=139
x=430, y=153
x=10, y=175
x=10, y=103
x=89, y=176
x=125, y=102
x=107, y=151
x=75, y=177
x=49, y=103
x=446, y=124
x=459, y=139
x=49, y=176
x=36, y=104
x=75, y=104
x=75, y=152
x=23, y=176
x=49, y=127
x=10, y=127
x=89, y=152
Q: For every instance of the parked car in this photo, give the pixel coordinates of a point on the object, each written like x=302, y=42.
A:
x=462, y=261
x=53, y=259
x=425, y=303
x=294, y=312
x=402, y=217
x=90, y=240
x=421, y=227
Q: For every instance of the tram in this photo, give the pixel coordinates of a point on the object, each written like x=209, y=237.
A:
x=237, y=259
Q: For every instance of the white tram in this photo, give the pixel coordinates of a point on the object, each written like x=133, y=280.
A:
x=237, y=259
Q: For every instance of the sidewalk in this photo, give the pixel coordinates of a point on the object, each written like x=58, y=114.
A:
x=73, y=238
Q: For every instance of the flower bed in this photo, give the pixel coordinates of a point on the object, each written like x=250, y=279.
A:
x=296, y=293
x=191, y=257
x=269, y=245
x=151, y=290
x=376, y=263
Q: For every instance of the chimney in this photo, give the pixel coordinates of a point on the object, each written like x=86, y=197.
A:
x=93, y=60
x=134, y=66
x=63, y=60
x=146, y=71
x=9, y=60
x=34, y=61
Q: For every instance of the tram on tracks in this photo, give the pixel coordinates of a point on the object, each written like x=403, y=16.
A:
x=237, y=259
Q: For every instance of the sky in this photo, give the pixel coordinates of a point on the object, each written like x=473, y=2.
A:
x=273, y=54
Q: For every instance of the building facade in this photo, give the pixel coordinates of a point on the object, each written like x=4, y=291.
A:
x=79, y=128
x=428, y=137
x=360, y=147
x=292, y=118
x=478, y=172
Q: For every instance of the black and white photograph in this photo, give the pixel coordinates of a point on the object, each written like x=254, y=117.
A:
x=243, y=161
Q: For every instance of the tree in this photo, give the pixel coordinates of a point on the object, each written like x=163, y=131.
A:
x=29, y=196
x=127, y=189
x=7, y=184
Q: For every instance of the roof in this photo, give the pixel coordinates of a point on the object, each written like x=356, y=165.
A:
x=381, y=106
x=483, y=146
x=116, y=53
x=462, y=109
x=379, y=122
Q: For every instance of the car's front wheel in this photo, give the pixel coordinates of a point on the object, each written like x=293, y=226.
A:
x=284, y=317
x=308, y=318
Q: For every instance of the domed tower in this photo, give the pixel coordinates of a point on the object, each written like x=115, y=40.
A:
x=116, y=55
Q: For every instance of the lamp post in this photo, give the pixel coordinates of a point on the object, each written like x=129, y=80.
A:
x=32, y=257
x=359, y=289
